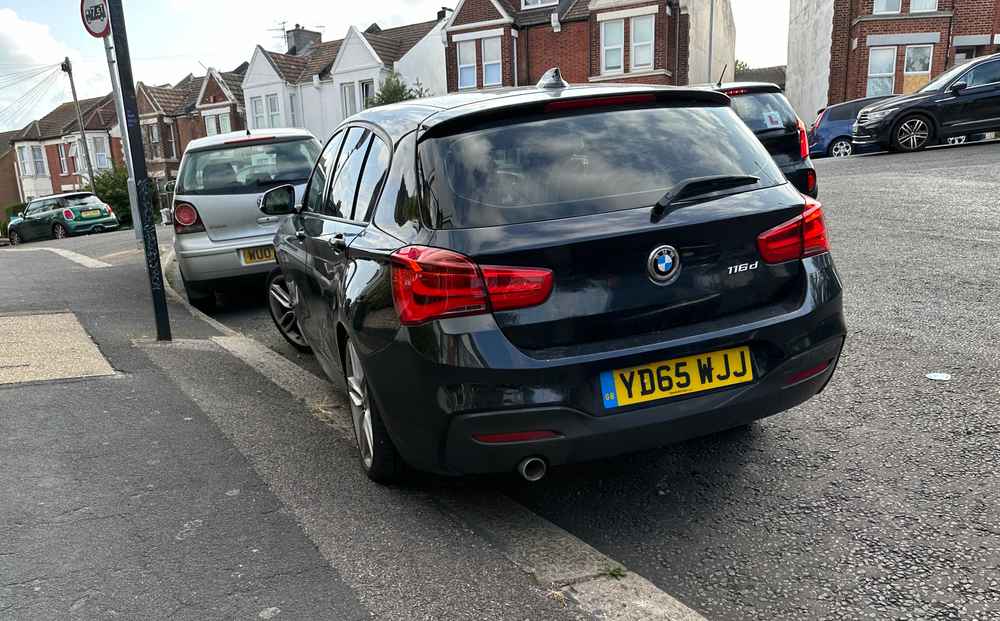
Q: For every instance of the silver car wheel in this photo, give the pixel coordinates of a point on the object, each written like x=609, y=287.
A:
x=60, y=231
x=913, y=134
x=842, y=148
x=361, y=410
x=282, y=303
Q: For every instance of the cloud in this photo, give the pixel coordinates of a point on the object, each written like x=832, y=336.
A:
x=25, y=45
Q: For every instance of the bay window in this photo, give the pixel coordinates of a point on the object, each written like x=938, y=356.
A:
x=23, y=161
x=350, y=99
x=467, y=64
x=257, y=107
x=38, y=160
x=63, y=164
x=887, y=6
x=642, y=42
x=612, y=46
x=273, y=110
x=492, y=72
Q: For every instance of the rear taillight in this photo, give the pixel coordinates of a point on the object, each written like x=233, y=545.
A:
x=600, y=102
x=433, y=283
x=819, y=119
x=186, y=219
x=803, y=140
x=800, y=237
x=68, y=214
x=811, y=182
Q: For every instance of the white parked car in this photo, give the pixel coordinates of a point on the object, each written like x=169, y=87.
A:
x=219, y=233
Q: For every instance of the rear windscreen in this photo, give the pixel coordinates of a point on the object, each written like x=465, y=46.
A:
x=550, y=167
x=247, y=169
x=763, y=111
x=82, y=200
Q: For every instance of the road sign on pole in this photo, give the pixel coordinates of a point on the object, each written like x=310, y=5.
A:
x=101, y=17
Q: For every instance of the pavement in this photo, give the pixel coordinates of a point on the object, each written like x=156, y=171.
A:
x=878, y=499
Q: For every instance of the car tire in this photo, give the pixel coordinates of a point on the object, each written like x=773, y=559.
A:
x=281, y=303
x=198, y=295
x=841, y=147
x=377, y=453
x=14, y=238
x=912, y=133
x=59, y=231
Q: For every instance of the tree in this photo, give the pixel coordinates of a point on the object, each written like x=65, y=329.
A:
x=111, y=186
x=741, y=66
x=394, y=90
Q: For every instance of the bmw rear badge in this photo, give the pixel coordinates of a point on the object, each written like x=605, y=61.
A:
x=664, y=265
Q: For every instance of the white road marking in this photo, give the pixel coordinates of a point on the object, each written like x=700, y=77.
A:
x=75, y=257
x=556, y=559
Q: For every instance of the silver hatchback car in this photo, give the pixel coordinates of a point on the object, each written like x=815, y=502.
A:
x=219, y=233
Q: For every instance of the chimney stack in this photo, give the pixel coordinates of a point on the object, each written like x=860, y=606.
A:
x=299, y=39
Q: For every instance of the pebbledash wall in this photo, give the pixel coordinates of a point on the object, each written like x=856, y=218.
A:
x=839, y=50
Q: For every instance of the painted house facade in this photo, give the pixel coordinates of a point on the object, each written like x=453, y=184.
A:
x=839, y=50
x=317, y=84
x=499, y=43
x=195, y=107
x=48, y=154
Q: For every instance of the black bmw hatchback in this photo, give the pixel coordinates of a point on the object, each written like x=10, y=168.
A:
x=513, y=279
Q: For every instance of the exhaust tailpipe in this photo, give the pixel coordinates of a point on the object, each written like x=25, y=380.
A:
x=532, y=469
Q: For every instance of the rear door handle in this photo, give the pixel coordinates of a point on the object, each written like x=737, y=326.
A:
x=267, y=219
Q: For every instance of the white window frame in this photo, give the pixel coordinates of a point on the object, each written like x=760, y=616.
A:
x=292, y=109
x=620, y=47
x=537, y=4
x=363, y=85
x=633, y=45
x=875, y=10
x=498, y=61
x=930, y=61
x=258, y=111
x=469, y=45
x=931, y=10
x=273, y=112
x=211, y=124
x=869, y=76
x=24, y=161
x=40, y=171
x=349, y=98
x=101, y=161
x=63, y=162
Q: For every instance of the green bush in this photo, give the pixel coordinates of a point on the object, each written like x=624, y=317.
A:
x=111, y=186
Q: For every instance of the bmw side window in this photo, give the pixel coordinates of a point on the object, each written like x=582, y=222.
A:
x=340, y=200
x=372, y=179
x=988, y=73
x=317, y=182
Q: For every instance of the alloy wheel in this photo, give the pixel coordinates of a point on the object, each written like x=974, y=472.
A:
x=14, y=238
x=842, y=148
x=913, y=134
x=282, y=301
x=59, y=231
x=361, y=411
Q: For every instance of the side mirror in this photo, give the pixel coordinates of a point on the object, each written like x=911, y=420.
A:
x=20, y=214
x=279, y=201
x=958, y=87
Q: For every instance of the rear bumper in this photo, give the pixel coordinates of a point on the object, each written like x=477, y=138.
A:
x=201, y=259
x=97, y=225
x=439, y=384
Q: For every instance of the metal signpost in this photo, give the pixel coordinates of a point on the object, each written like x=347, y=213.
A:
x=105, y=19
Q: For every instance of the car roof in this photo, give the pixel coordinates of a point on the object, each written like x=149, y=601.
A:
x=62, y=195
x=400, y=119
x=248, y=135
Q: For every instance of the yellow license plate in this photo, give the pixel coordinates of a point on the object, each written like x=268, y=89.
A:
x=91, y=213
x=680, y=376
x=260, y=254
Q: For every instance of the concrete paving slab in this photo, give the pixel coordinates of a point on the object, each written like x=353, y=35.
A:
x=42, y=347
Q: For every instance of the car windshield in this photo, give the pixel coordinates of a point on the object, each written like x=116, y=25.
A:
x=765, y=111
x=247, y=169
x=545, y=168
x=83, y=200
x=939, y=82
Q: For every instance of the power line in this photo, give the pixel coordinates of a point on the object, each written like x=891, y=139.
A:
x=37, y=93
x=16, y=80
x=27, y=74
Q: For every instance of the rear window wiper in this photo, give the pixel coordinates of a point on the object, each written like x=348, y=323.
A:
x=697, y=186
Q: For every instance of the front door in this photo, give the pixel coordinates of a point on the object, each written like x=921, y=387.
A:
x=37, y=219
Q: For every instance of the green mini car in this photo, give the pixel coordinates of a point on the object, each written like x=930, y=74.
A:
x=61, y=215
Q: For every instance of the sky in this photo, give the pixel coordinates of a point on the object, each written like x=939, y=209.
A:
x=171, y=38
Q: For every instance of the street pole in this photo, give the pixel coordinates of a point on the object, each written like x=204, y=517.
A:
x=130, y=115
x=67, y=67
x=133, y=198
x=711, y=39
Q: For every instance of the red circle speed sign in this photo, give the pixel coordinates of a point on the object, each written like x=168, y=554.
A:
x=95, y=17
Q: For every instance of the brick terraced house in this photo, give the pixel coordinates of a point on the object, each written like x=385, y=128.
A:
x=497, y=43
x=48, y=155
x=195, y=107
x=839, y=50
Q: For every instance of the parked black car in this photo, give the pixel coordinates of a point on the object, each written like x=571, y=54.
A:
x=767, y=112
x=511, y=279
x=962, y=101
